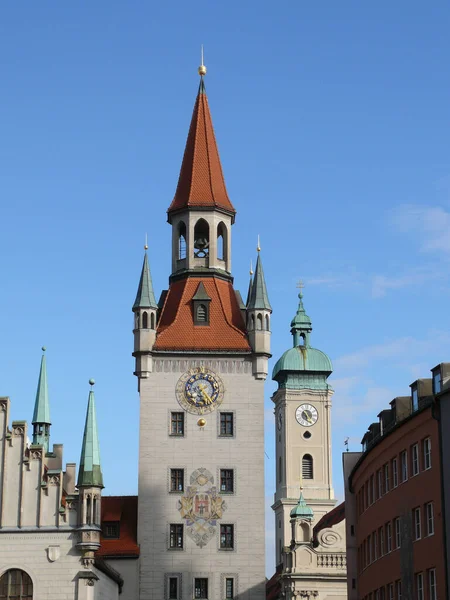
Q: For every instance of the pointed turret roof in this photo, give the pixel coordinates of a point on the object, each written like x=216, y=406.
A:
x=41, y=406
x=259, y=298
x=90, y=473
x=201, y=183
x=302, y=510
x=145, y=298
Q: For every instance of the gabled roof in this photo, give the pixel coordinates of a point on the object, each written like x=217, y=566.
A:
x=145, y=298
x=124, y=510
x=41, y=406
x=201, y=183
x=226, y=330
x=90, y=473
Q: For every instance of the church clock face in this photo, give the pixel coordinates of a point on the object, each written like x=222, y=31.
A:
x=199, y=391
x=306, y=415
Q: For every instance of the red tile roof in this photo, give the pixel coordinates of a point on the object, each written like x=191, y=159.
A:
x=176, y=329
x=201, y=183
x=124, y=510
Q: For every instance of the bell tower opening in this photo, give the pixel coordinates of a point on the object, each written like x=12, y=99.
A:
x=201, y=239
x=181, y=240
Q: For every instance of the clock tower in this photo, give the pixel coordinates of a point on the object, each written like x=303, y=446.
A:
x=201, y=360
x=310, y=550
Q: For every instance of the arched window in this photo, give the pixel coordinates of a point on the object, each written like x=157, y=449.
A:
x=16, y=585
x=222, y=241
x=252, y=323
x=259, y=321
x=301, y=340
x=202, y=313
x=136, y=321
x=181, y=240
x=201, y=239
x=307, y=467
x=144, y=320
x=152, y=320
x=267, y=323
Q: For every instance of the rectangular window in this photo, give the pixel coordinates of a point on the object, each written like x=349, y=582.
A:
x=397, y=533
x=375, y=545
x=111, y=530
x=417, y=523
x=381, y=536
x=176, y=480
x=377, y=595
x=437, y=385
x=415, y=398
x=383, y=593
x=389, y=537
x=419, y=586
x=176, y=536
x=227, y=537
x=394, y=473
x=399, y=590
x=229, y=588
x=380, y=483
x=391, y=591
x=226, y=424
x=415, y=459
x=226, y=480
x=427, y=453
x=404, y=465
x=432, y=584
x=386, y=478
x=177, y=423
x=200, y=587
x=372, y=489
x=173, y=588
x=369, y=544
x=429, y=512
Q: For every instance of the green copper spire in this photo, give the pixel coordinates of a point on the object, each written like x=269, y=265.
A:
x=41, y=416
x=302, y=510
x=145, y=298
x=90, y=473
x=301, y=324
x=259, y=298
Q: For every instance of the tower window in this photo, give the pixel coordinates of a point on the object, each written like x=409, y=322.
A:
x=181, y=240
x=144, y=320
x=177, y=423
x=307, y=467
x=201, y=587
x=221, y=242
x=227, y=537
x=16, y=584
x=176, y=480
x=201, y=239
x=201, y=313
x=267, y=323
x=226, y=480
x=152, y=320
x=173, y=588
x=259, y=322
x=226, y=424
x=176, y=536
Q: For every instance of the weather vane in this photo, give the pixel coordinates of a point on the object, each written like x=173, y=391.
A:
x=346, y=443
x=202, y=68
x=146, y=243
x=258, y=247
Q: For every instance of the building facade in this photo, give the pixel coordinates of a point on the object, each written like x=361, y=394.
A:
x=201, y=361
x=50, y=518
x=396, y=495
x=310, y=549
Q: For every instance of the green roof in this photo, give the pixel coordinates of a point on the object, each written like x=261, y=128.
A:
x=41, y=406
x=302, y=358
x=145, y=298
x=302, y=510
x=201, y=293
x=259, y=299
x=90, y=473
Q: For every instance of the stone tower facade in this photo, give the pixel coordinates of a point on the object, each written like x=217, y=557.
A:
x=310, y=534
x=201, y=361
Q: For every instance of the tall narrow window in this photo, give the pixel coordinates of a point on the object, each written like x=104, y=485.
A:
x=397, y=533
x=173, y=588
x=404, y=465
x=394, y=473
x=375, y=545
x=181, y=240
x=201, y=588
x=415, y=459
x=429, y=513
x=176, y=480
x=144, y=320
x=15, y=584
x=380, y=483
x=229, y=588
x=388, y=537
x=259, y=322
x=386, y=478
x=415, y=398
x=226, y=480
x=307, y=467
x=381, y=536
x=176, y=536
x=437, y=383
x=417, y=523
x=427, y=453
x=391, y=591
x=372, y=489
x=152, y=320
x=221, y=242
x=419, y=586
x=399, y=590
x=201, y=239
x=177, y=423
x=432, y=584
x=226, y=425
x=227, y=537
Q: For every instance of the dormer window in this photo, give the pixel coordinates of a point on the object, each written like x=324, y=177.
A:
x=111, y=530
x=437, y=382
x=201, y=302
x=415, y=397
x=202, y=314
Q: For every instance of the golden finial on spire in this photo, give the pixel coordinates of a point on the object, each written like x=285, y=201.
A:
x=258, y=247
x=202, y=68
x=251, y=267
x=146, y=243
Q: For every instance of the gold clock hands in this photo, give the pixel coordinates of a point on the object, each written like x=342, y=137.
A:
x=205, y=394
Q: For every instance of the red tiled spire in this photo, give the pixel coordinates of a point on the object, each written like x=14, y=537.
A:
x=201, y=183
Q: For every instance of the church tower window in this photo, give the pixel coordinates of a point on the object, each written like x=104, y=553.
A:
x=307, y=467
x=144, y=320
x=201, y=239
x=181, y=240
x=15, y=584
x=201, y=313
x=222, y=246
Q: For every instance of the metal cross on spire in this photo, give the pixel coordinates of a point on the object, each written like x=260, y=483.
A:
x=300, y=286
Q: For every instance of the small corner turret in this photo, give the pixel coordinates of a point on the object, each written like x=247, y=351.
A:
x=145, y=317
x=41, y=416
x=258, y=320
x=90, y=484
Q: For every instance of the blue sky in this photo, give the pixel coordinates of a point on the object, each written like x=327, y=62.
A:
x=332, y=120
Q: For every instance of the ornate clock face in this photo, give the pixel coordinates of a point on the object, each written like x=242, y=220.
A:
x=199, y=391
x=306, y=415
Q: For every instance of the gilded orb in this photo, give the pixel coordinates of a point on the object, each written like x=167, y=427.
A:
x=202, y=70
x=201, y=422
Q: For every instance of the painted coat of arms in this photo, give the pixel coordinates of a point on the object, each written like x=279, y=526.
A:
x=201, y=507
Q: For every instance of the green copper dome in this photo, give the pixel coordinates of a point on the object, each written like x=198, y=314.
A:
x=302, y=510
x=302, y=367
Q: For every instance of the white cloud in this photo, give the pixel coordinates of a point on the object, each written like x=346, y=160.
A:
x=381, y=284
x=431, y=224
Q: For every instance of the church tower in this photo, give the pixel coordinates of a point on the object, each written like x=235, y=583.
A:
x=201, y=361
x=310, y=550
